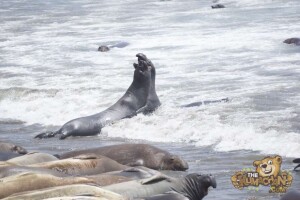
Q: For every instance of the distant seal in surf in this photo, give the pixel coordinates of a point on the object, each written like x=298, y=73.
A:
x=134, y=99
x=199, y=103
x=295, y=41
x=217, y=6
x=195, y=186
x=10, y=147
x=105, y=48
x=296, y=161
x=291, y=195
x=136, y=155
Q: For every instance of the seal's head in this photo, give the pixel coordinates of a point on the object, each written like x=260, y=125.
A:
x=18, y=149
x=195, y=186
x=295, y=41
x=172, y=162
x=103, y=48
x=142, y=69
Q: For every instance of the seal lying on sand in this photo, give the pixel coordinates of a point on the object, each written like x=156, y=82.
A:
x=195, y=184
x=9, y=147
x=295, y=41
x=194, y=187
x=136, y=155
x=67, y=191
x=31, y=181
x=134, y=99
x=82, y=165
x=32, y=158
x=296, y=161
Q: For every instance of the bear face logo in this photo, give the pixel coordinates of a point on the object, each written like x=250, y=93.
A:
x=268, y=166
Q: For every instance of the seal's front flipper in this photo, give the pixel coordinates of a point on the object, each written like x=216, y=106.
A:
x=47, y=134
x=155, y=178
x=296, y=167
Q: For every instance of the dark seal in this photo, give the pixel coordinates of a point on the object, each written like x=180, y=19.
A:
x=296, y=161
x=295, y=41
x=217, y=6
x=291, y=195
x=132, y=101
x=192, y=187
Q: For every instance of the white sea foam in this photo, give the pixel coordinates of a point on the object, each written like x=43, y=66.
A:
x=51, y=72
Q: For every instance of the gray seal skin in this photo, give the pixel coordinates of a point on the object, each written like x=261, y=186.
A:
x=153, y=101
x=295, y=41
x=126, y=107
x=9, y=147
x=291, y=195
x=192, y=186
x=296, y=161
x=136, y=155
x=199, y=103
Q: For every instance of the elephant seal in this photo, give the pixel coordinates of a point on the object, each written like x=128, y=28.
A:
x=126, y=107
x=136, y=155
x=82, y=165
x=14, y=170
x=32, y=158
x=31, y=181
x=217, y=6
x=296, y=161
x=193, y=185
x=9, y=147
x=295, y=41
x=153, y=101
x=291, y=195
x=199, y=103
x=66, y=191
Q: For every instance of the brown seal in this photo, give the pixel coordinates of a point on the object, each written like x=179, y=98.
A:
x=136, y=155
x=10, y=147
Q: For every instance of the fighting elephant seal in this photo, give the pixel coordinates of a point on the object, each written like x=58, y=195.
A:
x=82, y=165
x=67, y=191
x=134, y=99
x=195, y=183
x=295, y=41
x=31, y=181
x=136, y=155
x=9, y=147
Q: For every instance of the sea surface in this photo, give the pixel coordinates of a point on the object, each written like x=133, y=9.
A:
x=51, y=72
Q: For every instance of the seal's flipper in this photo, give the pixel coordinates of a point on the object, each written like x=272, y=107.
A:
x=296, y=167
x=47, y=134
x=155, y=178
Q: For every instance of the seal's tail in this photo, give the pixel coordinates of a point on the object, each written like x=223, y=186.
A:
x=47, y=134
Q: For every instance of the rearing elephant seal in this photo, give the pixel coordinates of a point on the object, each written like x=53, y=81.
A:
x=135, y=155
x=134, y=99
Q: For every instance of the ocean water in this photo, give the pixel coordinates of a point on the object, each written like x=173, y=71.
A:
x=51, y=72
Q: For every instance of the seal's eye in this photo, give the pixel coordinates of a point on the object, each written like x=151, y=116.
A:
x=270, y=162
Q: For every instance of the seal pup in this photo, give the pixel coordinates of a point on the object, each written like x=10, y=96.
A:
x=32, y=181
x=296, y=161
x=67, y=191
x=135, y=98
x=10, y=147
x=136, y=155
x=195, y=183
x=295, y=41
x=194, y=187
x=291, y=195
x=82, y=165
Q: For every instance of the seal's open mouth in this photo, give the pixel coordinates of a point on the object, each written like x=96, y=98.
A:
x=143, y=62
